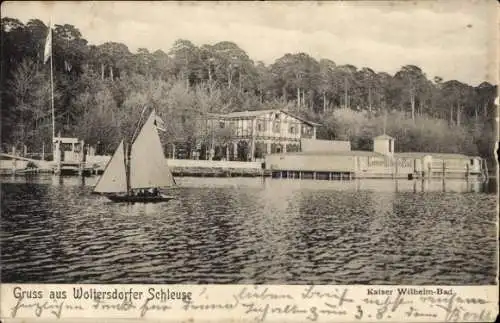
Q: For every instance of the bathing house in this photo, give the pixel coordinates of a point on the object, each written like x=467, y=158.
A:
x=325, y=159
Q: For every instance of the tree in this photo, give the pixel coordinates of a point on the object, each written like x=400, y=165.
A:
x=327, y=79
x=297, y=72
x=101, y=90
x=486, y=94
x=29, y=120
x=114, y=59
x=186, y=60
x=410, y=78
x=69, y=49
x=454, y=93
x=346, y=74
x=99, y=120
x=264, y=82
x=162, y=65
x=231, y=62
x=368, y=81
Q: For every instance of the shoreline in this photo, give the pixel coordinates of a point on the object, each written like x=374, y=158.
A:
x=226, y=173
x=203, y=168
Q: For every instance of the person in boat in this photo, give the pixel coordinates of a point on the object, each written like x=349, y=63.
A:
x=153, y=191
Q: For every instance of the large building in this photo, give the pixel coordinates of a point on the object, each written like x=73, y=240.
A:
x=254, y=134
x=336, y=159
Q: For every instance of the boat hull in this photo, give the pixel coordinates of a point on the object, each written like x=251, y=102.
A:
x=138, y=199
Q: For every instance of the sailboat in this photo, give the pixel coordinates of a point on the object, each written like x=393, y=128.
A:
x=137, y=174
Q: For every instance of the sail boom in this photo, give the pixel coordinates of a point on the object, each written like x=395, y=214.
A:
x=149, y=187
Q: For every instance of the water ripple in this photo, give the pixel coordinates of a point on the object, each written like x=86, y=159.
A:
x=248, y=231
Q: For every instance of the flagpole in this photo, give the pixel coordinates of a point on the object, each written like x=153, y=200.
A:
x=385, y=120
x=52, y=89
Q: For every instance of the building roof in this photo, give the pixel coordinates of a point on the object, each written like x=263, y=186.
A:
x=247, y=114
x=301, y=119
x=375, y=154
x=215, y=115
x=309, y=144
x=434, y=155
x=383, y=137
x=256, y=113
x=335, y=153
x=66, y=140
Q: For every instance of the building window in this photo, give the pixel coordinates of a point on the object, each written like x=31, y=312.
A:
x=306, y=131
x=290, y=148
x=276, y=126
x=472, y=162
x=261, y=125
x=390, y=145
x=292, y=129
x=221, y=124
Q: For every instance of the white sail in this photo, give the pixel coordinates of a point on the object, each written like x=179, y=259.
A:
x=148, y=165
x=114, y=179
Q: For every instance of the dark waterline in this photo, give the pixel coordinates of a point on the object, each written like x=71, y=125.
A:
x=252, y=230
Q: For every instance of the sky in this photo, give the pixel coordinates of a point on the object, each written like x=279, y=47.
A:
x=453, y=39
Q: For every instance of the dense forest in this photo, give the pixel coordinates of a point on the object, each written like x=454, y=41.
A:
x=100, y=91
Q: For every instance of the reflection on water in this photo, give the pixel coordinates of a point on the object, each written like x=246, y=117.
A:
x=251, y=230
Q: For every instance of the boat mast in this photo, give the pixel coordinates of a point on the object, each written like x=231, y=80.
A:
x=128, y=149
x=138, y=125
x=127, y=165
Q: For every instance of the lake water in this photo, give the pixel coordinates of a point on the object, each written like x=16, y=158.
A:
x=251, y=230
